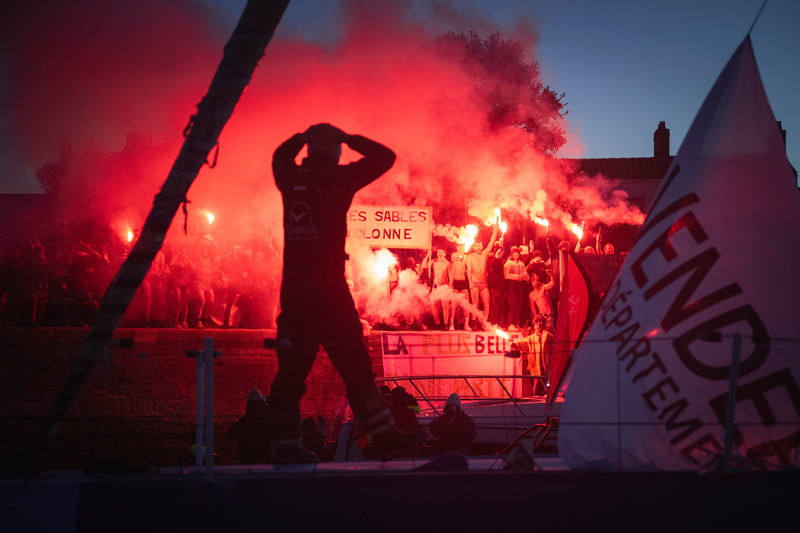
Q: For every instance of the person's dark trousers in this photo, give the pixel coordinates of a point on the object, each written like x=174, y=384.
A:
x=324, y=317
x=514, y=295
x=497, y=311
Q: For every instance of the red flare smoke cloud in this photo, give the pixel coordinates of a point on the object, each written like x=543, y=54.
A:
x=84, y=75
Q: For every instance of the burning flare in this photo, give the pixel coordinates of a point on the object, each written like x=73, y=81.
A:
x=384, y=260
x=542, y=222
x=129, y=235
x=209, y=217
x=468, y=238
x=500, y=333
x=577, y=230
x=497, y=218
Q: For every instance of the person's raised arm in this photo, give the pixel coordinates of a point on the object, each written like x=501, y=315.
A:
x=376, y=161
x=523, y=345
x=490, y=246
x=427, y=260
x=283, y=158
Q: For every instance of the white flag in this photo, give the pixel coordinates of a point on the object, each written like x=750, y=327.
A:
x=717, y=256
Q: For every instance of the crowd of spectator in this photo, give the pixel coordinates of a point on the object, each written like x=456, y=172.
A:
x=202, y=285
x=520, y=279
x=251, y=435
x=198, y=286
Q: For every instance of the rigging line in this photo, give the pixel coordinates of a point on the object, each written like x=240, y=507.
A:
x=757, y=15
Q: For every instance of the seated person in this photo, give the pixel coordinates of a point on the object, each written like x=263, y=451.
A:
x=455, y=429
x=251, y=433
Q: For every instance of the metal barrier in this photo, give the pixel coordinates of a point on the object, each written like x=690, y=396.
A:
x=204, y=436
x=465, y=377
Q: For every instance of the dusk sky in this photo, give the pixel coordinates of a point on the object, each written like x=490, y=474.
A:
x=624, y=65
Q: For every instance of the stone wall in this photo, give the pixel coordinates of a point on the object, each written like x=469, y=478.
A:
x=138, y=404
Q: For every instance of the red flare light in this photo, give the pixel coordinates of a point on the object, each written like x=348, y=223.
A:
x=384, y=260
x=468, y=236
x=500, y=222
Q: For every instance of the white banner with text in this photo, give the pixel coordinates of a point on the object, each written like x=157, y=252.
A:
x=453, y=353
x=390, y=226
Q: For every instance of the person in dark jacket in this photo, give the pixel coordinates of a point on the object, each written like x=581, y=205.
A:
x=497, y=288
x=251, y=433
x=313, y=439
x=404, y=408
x=316, y=304
x=454, y=429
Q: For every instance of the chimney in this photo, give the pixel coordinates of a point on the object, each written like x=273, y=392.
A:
x=661, y=142
x=783, y=132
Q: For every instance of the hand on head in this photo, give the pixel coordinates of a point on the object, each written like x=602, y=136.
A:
x=326, y=132
x=325, y=140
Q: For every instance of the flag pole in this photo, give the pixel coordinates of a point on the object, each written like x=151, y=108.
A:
x=729, y=413
x=757, y=15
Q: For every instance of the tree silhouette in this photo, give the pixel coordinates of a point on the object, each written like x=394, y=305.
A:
x=51, y=175
x=509, y=86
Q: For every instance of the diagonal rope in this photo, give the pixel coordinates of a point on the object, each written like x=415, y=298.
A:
x=244, y=50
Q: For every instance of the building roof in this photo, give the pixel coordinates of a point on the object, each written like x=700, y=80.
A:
x=22, y=215
x=626, y=168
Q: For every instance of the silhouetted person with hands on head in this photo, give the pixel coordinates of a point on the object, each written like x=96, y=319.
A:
x=316, y=304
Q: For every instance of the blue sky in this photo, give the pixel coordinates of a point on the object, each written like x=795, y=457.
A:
x=626, y=65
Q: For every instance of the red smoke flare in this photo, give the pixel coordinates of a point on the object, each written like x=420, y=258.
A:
x=84, y=74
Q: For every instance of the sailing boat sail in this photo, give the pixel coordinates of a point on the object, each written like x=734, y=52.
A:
x=715, y=262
